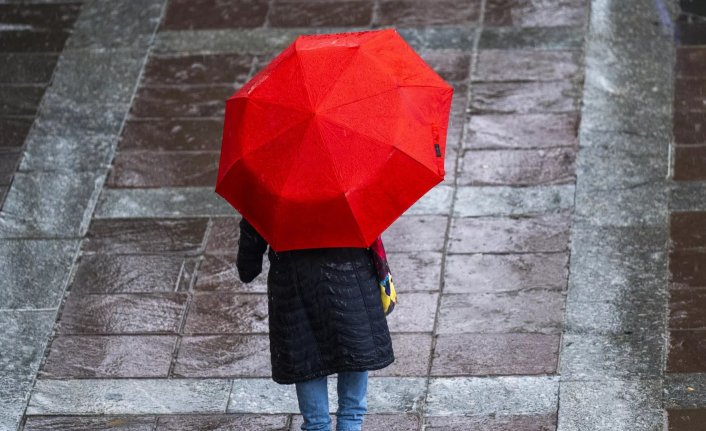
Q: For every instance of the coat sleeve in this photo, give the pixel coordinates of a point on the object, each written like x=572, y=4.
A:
x=251, y=247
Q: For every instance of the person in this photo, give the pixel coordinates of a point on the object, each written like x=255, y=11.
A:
x=325, y=317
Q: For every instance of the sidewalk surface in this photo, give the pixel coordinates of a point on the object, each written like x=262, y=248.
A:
x=556, y=280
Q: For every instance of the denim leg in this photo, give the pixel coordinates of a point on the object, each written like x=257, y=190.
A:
x=312, y=396
x=352, y=400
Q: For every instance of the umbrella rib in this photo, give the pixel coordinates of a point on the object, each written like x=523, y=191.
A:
x=301, y=69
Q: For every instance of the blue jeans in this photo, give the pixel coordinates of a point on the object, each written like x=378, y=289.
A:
x=352, y=403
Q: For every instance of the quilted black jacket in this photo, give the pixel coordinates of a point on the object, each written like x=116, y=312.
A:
x=325, y=313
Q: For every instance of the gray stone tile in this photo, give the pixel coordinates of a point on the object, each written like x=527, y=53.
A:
x=491, y=422
x=416, y=233
x=414, y=312
x=128, y=396
x=162, y=202
x=457, y=38
x=620, y=165
x=109, y=356
x=412, y=356
x=99, y=423
x=617, y=264
x=219, y=272
x=59, y=119
x=535, y=311
x=34, y=272
x=56, y=204
x=477, y=273
x=503, y=200
x=385, y=395
x=86, y=153
x=226, y=422
x=644, y=205
x=108, y=24
x=627, y=314
x=415, y=271
x=685, y=390
x=611, y=405
x=476, y=396
x=224, y=356
x=244, y=41
x=495, y=354
x=532, y=37
x=546, y=233
x=599, y=356
x=687, y=196
x=373, y=422
x=23, y=336
x=109, y=76
x=436, y=201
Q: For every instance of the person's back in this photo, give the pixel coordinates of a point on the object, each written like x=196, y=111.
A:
x=325, y=317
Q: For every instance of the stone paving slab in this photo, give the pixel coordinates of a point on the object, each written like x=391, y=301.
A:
x=507, y=201
x=482, y=396
x=34, y=272
x=111, y=396
x=50, y=204
x=22, y=341
x=615, y=405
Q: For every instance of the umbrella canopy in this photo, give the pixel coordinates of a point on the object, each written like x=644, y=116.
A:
x=334, y=139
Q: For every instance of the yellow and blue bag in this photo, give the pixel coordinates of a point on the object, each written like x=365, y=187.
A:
x=387, y=287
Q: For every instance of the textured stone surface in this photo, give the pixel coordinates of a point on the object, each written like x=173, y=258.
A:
x=685, y=390
x=108, y=76
x=166, y=169
x=494, y=354
x=27, y=68
x=687, y=229
x=414, y=312
x=526, y=65
x=109, y=356
x=33, y=272
x=106, y=273
x=617, y=263
x=171, y=101
x=298, y=13
x=161, y=202
x=229, y=422
x=223, y=356
x=108, y=24
x=478, y=396
x=173, y=134
x=517, y=167
x=478, y=273
x=487, y=235
x=512, y=201
x=416, y=233
x=415, y=271
x=686, y=351
x=197, y=69
x=626, y=314
x=49, y=204
x=521, y=131
x=560, y=37
x=128, y=396
x=74, y=423
x=524, y=98
x=615, y=405
x=536, y=311
x=183, y=14
x=589, y=356
x=528, y=13
x=686, y=419
x=491, y=423
x=122, y=313
x=23, y=335
x=145, y=236
x=89, y=152
x=411, y=13
x=225, y=312
x=436, y=201
x=412, y=356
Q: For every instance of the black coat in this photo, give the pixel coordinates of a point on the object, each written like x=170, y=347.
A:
x=325, y=313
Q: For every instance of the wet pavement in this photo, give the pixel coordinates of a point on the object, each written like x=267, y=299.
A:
x=554, y=281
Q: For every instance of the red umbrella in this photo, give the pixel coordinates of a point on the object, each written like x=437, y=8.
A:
x=334, y=139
